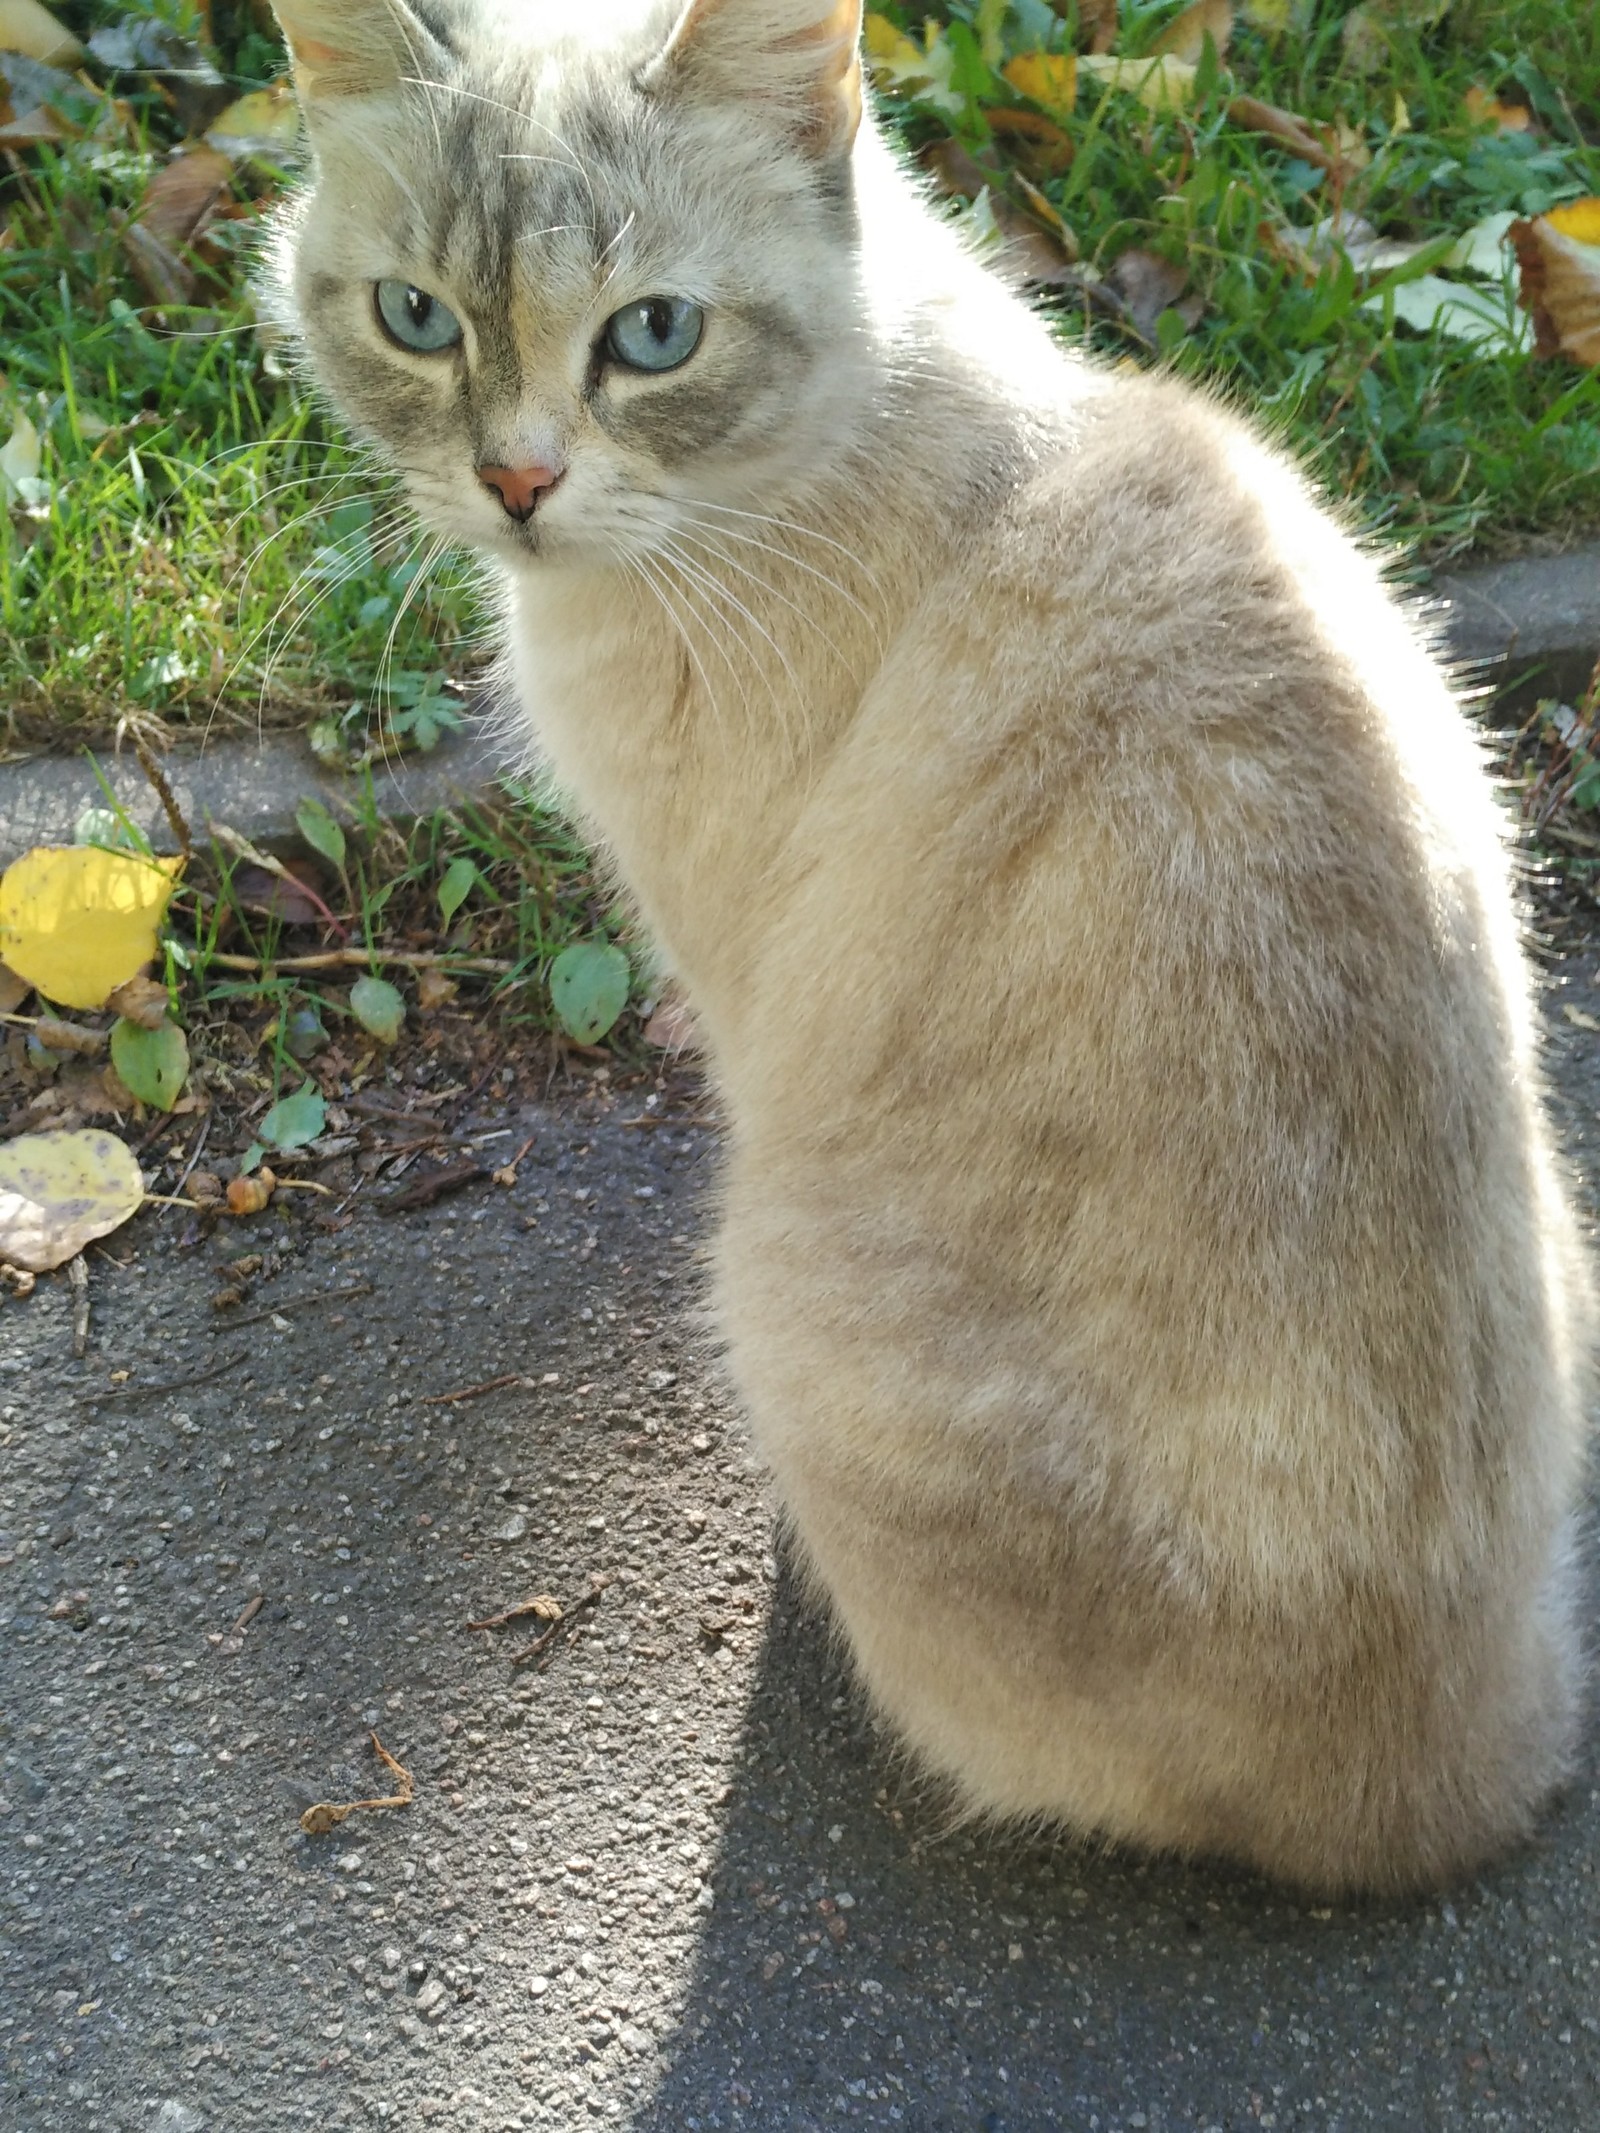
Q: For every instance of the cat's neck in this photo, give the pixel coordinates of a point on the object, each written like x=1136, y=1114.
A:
x=691, y=703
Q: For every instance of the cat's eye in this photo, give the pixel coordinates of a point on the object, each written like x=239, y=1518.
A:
x=658, y=334
x=413, y=319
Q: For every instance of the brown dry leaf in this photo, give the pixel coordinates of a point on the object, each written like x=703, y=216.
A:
x=1098, y=18
x=1558, y=263
x=1294, y=133
x=178, y=203
x=13, y=990
x=143, y=1000
x=671, y=1028
x=34, y=129
x=32, y=30
x=57, y=1035
x=1037, y=255
x=1145, y=285
x=1035, y=140
x=59, y=1191
x=248, y=1196
x=277, y=895
x=1485, y=109
x=179, y=199
x=1186, y=37
x=434, y=990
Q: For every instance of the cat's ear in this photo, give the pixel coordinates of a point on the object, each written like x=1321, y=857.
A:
x=351, y=47
x=800, y=59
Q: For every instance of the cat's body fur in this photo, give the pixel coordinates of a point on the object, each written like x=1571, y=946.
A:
x=1144, y=1259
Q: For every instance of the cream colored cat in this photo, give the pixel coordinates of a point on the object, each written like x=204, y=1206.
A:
x=1144, y=1261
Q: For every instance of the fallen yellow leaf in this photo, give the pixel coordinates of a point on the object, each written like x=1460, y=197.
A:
x=1577, y=218
x=265, y=122
x=59, y=1191
x=28, y=28
x=881, y=40
x=1485, y=109
x=1050, y=78
x=1161, y=82
x=77, y=922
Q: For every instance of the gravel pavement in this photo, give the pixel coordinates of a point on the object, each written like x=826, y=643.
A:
x=670, y=1882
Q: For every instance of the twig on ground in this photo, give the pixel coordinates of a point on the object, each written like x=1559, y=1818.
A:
x=325, y=1814
x=194, y=1153
x=295, y=1303
x=78, y=1275
x=143, y=1392
x=433, y=1187
x=471, y=1392
x=360, y=959
x=543, y=1645
x=544, y=1607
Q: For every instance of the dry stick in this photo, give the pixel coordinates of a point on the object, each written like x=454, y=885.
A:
x=78, y=1275
x=194, y=1153
x=468, y=1392
x=434, y=1187
x=295, y=1303
x=562, y=1626
x=325, y=1815
x=544, y=1607
x=141, y=1392
x=360, y=958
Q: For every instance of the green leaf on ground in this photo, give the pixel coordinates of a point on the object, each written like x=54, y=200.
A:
x=294, y=1120
x=153, y=1064
x=321, y=832
x=589, y=988
x=378, y=1008
x=460, y=879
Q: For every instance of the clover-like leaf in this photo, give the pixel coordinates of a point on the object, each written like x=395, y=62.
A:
x=153, y=1064
x=378, y=1008
x=589, y=988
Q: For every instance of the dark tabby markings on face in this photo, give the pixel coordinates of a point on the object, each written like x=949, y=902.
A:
x=685, y=414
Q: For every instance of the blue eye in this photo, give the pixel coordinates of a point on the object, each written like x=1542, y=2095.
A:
x=658, y=334
x=415, y=320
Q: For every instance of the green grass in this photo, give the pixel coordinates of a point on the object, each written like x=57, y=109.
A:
x=1443, y=445
x=198, y=545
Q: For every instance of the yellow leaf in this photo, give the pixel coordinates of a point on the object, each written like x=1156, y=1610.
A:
x=1577, y=218
x=1161, y=83
x=1050, y=78
x=77, y=922
x=1185, y=38
x=28, y=28
x=265, y=122
x=883, y=41
x=59, y=1191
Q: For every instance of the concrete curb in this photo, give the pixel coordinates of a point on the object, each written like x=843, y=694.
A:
x=251, y=786
x=1520, y=630
x=1524, y=630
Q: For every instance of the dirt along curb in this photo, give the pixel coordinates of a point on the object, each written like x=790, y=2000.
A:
x=1515, y=630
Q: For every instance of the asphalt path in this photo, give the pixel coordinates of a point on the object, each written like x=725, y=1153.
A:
x=661, y=1875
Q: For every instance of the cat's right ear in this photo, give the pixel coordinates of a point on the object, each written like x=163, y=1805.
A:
x=352, y=47
x=798, y=61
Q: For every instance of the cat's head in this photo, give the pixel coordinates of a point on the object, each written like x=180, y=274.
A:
x=576, y=287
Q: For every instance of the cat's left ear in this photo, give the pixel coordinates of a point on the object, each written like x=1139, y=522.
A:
x=798, y=59
x=352, y=47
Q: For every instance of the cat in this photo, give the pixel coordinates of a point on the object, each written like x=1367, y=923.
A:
x=1144, y=1259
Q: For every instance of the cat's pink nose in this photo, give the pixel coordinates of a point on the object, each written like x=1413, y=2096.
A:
x=519, y=488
